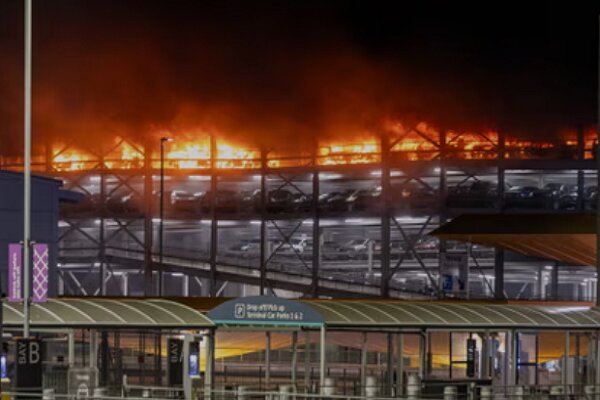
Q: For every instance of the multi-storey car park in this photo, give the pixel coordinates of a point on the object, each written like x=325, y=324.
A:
x=347, y=220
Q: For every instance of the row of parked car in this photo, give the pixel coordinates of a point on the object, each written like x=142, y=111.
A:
x=330, y=250
x=472, y=194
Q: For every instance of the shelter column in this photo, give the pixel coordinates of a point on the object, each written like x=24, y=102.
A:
x=565, y=366
x=307, y=361
x=71, y=349
x=363, y=364
x=322, y=359
x=423, y=355
x=390, y=364
x=267, y=360
x=399, y=364
x=210, y=364
x=512, y=337
x=294, y=358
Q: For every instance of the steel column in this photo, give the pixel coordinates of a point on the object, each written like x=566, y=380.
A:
x=442, y=212
x=386, y=215
x=499, y=253
x=263, y=222
x=148, y=226
x=213, y=218
x=316, y=231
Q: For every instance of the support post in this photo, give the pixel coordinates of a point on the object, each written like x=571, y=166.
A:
x=148, y=226
x=442, y=214
x=554, y=282
x=499, y=274
x=213, y=218
x=71, y=349
x=399, y=365
x=423, y=355
x=294, y=365
x=499, y=253
x=210, y=365
x=187, y=382
x=263, y=222
x=322, y=358
x=363, y=364
x=386, y=215
x=267, y=360
x=93, y=349
x=316, y=230
x=390, y=364
x=565, y=366
x=307, y=361
x=514, y=358
x=27, y=172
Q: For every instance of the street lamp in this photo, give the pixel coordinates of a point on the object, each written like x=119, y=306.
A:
x=163, y=140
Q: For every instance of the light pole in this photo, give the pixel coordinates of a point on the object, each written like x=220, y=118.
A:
x=161, y=210
x=27, y=173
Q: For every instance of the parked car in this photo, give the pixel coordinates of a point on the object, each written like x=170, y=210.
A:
x=295, y=245
x=415, y=196
x=279, y=200
x=339, y=201
x=355, y=248
x=532, y=197
x=364, y=199
x=479, y=194
x=185, y=201
x=225, y=201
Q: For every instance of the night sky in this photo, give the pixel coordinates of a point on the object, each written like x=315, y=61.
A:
x=263, y=70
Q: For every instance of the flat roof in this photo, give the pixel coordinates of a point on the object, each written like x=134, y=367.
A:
x=568, y=238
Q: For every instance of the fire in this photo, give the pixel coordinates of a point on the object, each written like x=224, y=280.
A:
x=421, y=142
x=357, y=153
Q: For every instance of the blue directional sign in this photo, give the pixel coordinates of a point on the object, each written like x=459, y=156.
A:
x=265, y=310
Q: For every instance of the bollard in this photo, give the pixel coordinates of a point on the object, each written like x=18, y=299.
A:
x=328, y=388
x=48, y=394
x=285, y=392
x=485, y=393
x=413, y=387
x=518, y=393
x=242, y=392
x=100, y=393
x=450, y=392
x=371, y=387
x=557, y=392
x=591, y=392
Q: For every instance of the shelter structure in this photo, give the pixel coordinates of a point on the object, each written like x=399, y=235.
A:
x=499, y=345
x=84, y=346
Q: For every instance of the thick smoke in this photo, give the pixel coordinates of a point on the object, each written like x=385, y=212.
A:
x=261, y=73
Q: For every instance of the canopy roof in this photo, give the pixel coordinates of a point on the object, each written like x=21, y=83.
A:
x=568, y=238
x=449, y=315
x=394, y=314
x=107, y=313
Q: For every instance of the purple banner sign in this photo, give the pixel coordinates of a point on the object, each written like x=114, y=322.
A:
x=15, y=269
x=40, y=273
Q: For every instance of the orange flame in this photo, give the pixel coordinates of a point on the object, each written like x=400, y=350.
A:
x=419, y=143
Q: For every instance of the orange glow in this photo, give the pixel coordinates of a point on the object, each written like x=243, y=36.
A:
x=419, y=143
